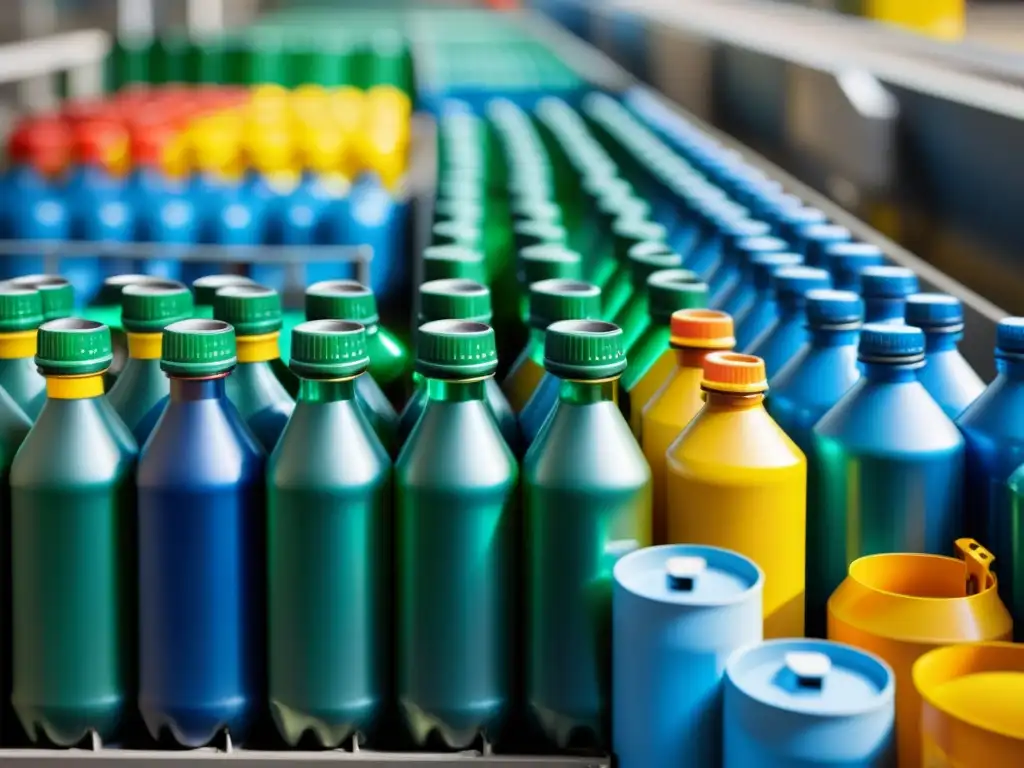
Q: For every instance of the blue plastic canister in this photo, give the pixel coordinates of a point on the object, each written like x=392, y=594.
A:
x=808, y=703
x=678, y=613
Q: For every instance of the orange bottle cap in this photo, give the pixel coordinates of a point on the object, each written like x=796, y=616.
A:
x=701, y=329
x=733, y=372
x=101, y=142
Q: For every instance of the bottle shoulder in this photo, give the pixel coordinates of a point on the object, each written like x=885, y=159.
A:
x=253, y=387
x=729, y=439
x=816, y=375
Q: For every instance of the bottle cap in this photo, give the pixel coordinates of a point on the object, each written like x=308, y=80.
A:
x=442, y=262
x=935, y=312
x=110, y=292
x=767, y=264
x=101, y=142
x=890, y=344
x=883, y=282
x=701, y=329
x=540, y=211
x=150, y=306
x=1010, y=336
x=252, y=309
x=57, y=293
x=795, y=281
x=851, y=258
x=530, y=232
x=673, y=289
x=749, y=247
x=733, y=372
x=329, y=349
x=562, y=299
x=21, y=309
x=455, y=300
x=547, y=262
x=455, y=349
x=198, y=348
x=584, y=349
x=794, y=218
x=647, y=258
x=627, y=231
x=456, y=233
x=819, y=236
x=827, y=308
x=341, y=300
x=70, y=346
x=205, y=288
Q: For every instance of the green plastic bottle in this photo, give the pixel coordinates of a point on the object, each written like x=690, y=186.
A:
x=72, y=509
x=644, y=260
x=58, y=294
x=205, y=288
x=544, y=262
x=254, y=388
x=627, y=232
x=458, y=300
x=456, y=533
x=450, y=262
x=328, y=543
x=142, y=386
x=21, y=313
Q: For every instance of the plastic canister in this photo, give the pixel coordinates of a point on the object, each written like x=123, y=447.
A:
x=808, y=703
x=972, y=700
x=900, y=606
x=678, y=614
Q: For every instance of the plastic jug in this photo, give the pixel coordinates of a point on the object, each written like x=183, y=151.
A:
x=885, y=291
x=733, y=459
x=784, y=337
x=327, y=568
x=455, y=535
x=763, y=310
x=644, y=260
x=585, y=458
x=71, y=505
x=846, y=261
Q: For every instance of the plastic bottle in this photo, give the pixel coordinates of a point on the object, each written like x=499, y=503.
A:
x=764, y=309
x=455, y=534
x=885, y=291
x=846, y=262
x=544, y=262
x=328, y=557
x=21, y=313
x=214, y=187
x=450, y=262
x=733, y=270
x=106, y=308
x=947, y=376
x=626, y=233
x=695, y=333
x=72, y=507
x=269, y=186
x=733, y=459
x=783, y=337
x=678, y=614
x=816, y=239
x=889, y=464
x=644, y=260
x=201, y=528
x=36, y=213
x=739, y=300
x=900, y=606
x=791, y=221
x=142, y=385
x=584, y=459
x=205, y=288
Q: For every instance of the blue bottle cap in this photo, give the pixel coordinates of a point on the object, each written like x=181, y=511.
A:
x=1010, y=336
x=884, y=282
x=937, y=312
x=895, y=344
x=798, y=280
x=818, y=236
x=749, y=246
x=794, y=218
x=847, y=257
x=820, y=678
x=767, y=264
x=688, y=574
x=827, y=308
x=742, y=229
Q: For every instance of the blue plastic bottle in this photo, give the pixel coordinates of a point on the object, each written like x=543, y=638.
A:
x=847, y=260
x=739, y=297
x=784, y=337
x=763, y=310
x=271, y=182
x=727, y=276
x=947, y=376
x=36, y=215
x=815, y=240
x=717, y=220
x=377, y=221
x=889, y=465
x=885, y=291
x=201, y=527
x=792, y=221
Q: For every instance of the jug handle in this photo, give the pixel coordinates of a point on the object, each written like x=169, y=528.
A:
x=978, y=561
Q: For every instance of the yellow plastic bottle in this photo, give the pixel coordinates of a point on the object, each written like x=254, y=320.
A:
x=271, y=153
x=695, y=334
x=972, y=698
x=736, y=481
x=900, y=606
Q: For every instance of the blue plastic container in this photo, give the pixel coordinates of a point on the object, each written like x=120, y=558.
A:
x=378, y=220
x=947, y=376
x=727, y=276
x=738, y=298
x=815, y=239
x=808, y=704
x=847, y=260
x=889, y=465
x=678, y=613
x=102, y=218
x=784, y=337
x=201, y=528
x=791, y=221
x=763, y=309
x=717, y=218
x=212, y=196
x=35, y=215
x=885, y=290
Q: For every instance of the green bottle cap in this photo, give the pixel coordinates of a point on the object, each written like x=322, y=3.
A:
x=455, y=349
x=560, y=299
x=613, y=208
x=647, y=258
x=546, y=262
x=673, y=289
x=198, y=348
x=205, y=288
x=329, y=349
x=457, y=233
x=530, y=232
x=628, y=231
x=455, y=300
x=21, y=309
x=533, y=209
x=462, y=209
x=342, y=300
x=58, y=295
x=445, y=262
x=110, y=292
x=149, y=307
x=167, y=59
x=252, y=309
x=584, y=349
x=70, y=346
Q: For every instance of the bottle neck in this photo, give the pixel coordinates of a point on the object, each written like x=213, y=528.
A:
x=790, y=305
x=891, y=372
x=941, y=341
x=258, y=349
x=732, y=401
x=833, y=337
x=1011, y=367
x=183, y=390
x=690, y=357
x=144, y=346
x=75, y=387
x=18, y=345
x=577, y=392
x=456, y=391
x=318, y=391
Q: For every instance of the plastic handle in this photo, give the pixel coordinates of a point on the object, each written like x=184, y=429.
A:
x=978, y=561
x=684, y=572
x=809, y=667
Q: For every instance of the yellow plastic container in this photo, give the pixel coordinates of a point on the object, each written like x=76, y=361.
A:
x=945, y=19
x=736, y=481
x=695, y=334
x=650, y=383
x=900, y=606
x=972, y=700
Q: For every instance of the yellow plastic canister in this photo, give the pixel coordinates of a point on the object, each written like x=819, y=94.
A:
x=900, y=606
x=972, y=698
x=736, y=481
x=695, y=333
